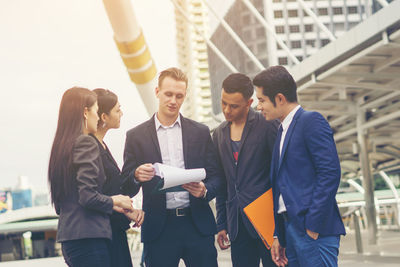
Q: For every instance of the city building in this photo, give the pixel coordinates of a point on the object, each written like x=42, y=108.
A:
x=291, y=23
x=193, y=58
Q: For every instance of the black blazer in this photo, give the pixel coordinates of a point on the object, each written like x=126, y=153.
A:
x=249, y=179
x=85, y=212
x=112, y=185
x=142, y=147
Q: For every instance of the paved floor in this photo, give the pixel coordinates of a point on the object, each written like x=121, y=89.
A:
x=385, y=254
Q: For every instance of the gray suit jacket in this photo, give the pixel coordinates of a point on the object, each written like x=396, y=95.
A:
x=85, y=212
x=247, y=179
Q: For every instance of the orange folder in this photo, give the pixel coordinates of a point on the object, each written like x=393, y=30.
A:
x=261, y=214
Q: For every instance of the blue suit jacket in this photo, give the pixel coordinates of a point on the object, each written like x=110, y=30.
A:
x=249, y=178
x=307, y=174
x=198, y=150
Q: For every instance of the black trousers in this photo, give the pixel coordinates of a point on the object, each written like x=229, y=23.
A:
x=180, y=240
x=247, y=251
x=90, y=252
x=120, y=253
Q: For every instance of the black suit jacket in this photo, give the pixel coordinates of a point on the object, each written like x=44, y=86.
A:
x=249, y=178
x=85, y=212
x=112, y=185
x=142, y=147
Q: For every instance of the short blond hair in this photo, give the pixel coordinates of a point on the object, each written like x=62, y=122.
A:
x=174, y=73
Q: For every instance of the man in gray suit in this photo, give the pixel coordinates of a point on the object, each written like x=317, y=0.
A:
x=244, y=143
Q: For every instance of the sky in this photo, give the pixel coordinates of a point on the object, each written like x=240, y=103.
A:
x=48, y=46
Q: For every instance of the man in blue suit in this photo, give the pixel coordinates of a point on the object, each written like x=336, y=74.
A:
x=305, y=174
x=179, y=223
x=244, y=143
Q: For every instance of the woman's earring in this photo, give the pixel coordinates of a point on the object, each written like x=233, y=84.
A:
x=86, y=123
x=104, y=125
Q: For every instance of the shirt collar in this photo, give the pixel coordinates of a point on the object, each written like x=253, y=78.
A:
x=158, y=123
x=286, y=122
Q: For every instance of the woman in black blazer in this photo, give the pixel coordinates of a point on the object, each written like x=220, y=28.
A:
x=110, y=114
x=76, y=178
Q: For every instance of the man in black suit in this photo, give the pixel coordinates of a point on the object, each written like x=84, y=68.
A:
x=244, y=142
x=179, y=223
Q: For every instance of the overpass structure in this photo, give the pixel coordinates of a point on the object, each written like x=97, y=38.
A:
x=354, y=82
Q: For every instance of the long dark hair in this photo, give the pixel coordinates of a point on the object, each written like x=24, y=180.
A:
x=106, y=100
x=69, y=127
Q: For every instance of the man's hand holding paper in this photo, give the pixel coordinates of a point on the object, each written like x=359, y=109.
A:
x=190, y=179
x=196, y=189
x=144, y=172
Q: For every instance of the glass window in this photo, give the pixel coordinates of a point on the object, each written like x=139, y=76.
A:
x=295, y=44
x=310, y=43
x=279, y=29
x=309, y=27
x=337, y=10
x=322, y=11
x=278, y=14
x=324, y=42
x=282, y=61
x=352, y=10
x=293, y=13
x=294, y=28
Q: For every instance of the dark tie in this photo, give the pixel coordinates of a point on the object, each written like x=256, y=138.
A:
x=275, y=162
x=277, y=148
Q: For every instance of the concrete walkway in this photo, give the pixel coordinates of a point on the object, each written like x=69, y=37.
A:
x=385, y=254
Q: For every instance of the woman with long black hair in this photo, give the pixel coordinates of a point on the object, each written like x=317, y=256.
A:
x=76, y=179
x=110, y=114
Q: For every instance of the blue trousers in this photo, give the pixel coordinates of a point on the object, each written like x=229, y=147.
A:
x=180, y=239
x=303, y=251
x=90, y=252
x=247, y=251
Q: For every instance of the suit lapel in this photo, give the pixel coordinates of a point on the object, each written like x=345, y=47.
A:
x=247, y=128
x=185, y=139
x=227, y=141
x=289, y=135
x=153, y=134
x=110, y=157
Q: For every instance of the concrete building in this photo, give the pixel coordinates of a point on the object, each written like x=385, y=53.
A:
x=193, y=57
x=291, y=23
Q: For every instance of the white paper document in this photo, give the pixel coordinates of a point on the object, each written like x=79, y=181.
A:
x=174, y=176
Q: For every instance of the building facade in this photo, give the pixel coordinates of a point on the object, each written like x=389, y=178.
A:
x=291, y=23
x=193, y=58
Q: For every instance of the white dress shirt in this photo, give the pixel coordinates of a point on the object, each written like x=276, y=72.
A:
x=285, y=126
x=171, y=147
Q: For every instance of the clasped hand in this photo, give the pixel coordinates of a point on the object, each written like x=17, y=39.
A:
x=136, y=215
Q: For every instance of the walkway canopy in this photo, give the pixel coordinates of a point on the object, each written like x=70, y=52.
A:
x=355, y=82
